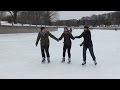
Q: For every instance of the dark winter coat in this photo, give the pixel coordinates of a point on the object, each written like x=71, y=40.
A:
x=87, y=38
x=44, y=38
x=67, y=38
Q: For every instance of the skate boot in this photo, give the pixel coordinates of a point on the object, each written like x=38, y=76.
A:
x=69, y=60
x=84, y=62
x=43, y=60
x=95, y=62
x=63, y=60
x=48, y=59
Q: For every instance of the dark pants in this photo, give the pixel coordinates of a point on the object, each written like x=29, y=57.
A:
x=91, y=52
x=45, y=49
x=68, y=48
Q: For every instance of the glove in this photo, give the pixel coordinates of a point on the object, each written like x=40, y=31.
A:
x=75, y=37
x=80, y=44
x=58, y=40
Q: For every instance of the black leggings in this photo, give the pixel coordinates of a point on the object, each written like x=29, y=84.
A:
x=45, y=49
x=68, y=48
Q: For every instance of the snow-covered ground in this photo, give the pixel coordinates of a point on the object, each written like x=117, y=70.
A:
x=20, y=58
x=5, y=23
x=10, y=24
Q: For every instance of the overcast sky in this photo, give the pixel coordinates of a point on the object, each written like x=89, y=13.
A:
x=65, y=15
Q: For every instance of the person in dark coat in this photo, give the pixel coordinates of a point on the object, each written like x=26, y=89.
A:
x=43, y=36
x=87, y=44
x=70, y=30
x=67, y=43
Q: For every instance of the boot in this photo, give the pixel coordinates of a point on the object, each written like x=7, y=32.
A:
x=43, y=60
x=48, y=59
x=95, y=62
x=69, y=60
x=84, y=62
x=63, y=60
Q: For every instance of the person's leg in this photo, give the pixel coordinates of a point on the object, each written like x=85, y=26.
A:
x=47, y=50
x=84, y=55
x=69, y=49
x=64, y=51
x=93, y=55
x=43, y=53
x=69, y=54
x=47, y=53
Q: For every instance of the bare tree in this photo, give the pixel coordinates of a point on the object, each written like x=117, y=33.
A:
x=54, y=15
x=14, y=16
x=36, y=17
x=2, y=14
x=50, y=16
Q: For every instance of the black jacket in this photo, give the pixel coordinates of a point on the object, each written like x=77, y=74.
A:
x=44, y=38
x=67, y=38
x=87, y=38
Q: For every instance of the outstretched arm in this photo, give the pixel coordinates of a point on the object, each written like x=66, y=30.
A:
x=61, y=37
x=80, y=35
x=52, y=36
x=71, y=36
x=38, y=38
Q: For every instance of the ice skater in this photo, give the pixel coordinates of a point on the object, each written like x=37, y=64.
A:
x=67, y=44
x=87, y=44
x=43, y=36
x=70, y=30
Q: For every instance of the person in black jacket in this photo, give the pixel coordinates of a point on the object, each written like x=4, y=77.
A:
x=43, y=36
x=87, y=43
x=70, y=30
x=67, y=43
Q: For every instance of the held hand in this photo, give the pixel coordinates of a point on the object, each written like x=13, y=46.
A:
x=81, y=44
x=58, y=40
x=74, y=38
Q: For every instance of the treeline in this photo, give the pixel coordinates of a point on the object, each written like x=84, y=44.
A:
x=94, y=20
x=30, y=17
x=72, y=22
x=52, y=18
x=103, y=19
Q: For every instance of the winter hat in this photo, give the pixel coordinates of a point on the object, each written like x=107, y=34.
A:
x=66, y=28
x=86, y=27
x=42, y=28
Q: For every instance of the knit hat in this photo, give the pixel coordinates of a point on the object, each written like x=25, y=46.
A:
x=42, y=28
x=86, y=27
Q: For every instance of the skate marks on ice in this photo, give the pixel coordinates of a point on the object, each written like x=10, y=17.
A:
x=19, y=58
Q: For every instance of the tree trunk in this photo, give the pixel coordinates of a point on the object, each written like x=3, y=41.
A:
x=15, y=17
